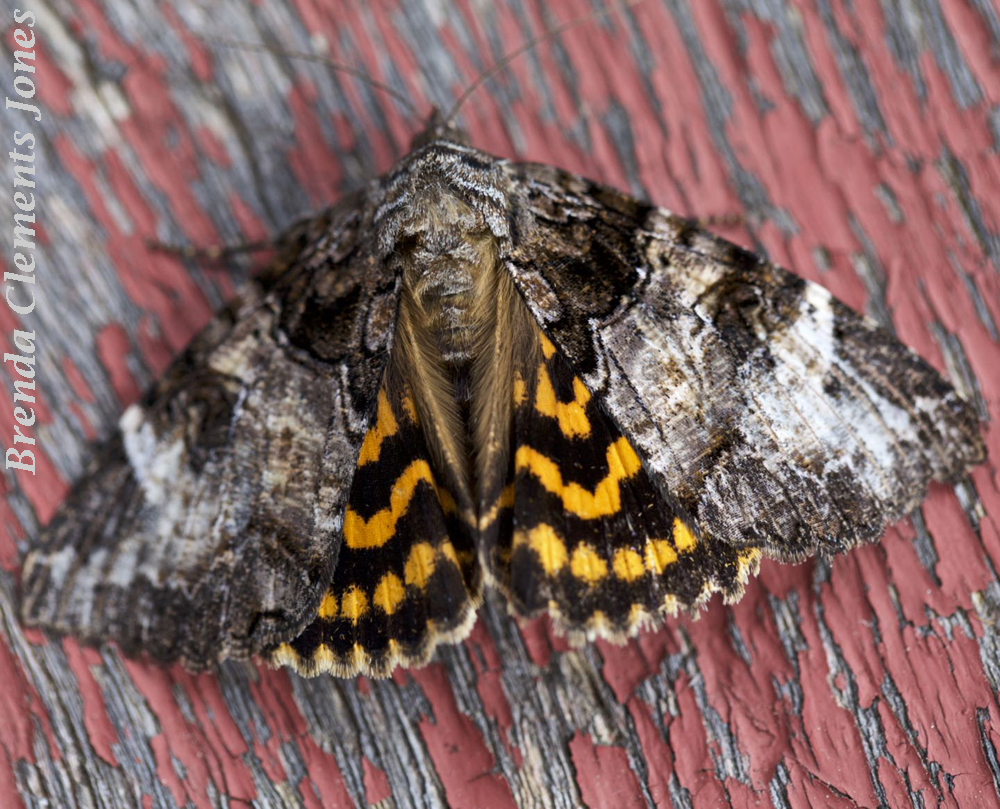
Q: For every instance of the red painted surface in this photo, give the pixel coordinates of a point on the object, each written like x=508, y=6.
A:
x=822, y=176
x=199, y=54
x=100, y=734
x=604, y=774
x=80, y=386
x=112, y=347
x=489, y=671
x=376, y=786
x=655, y=750
x=12, y=532
x=44, y=488
x=21, y=708
x=463, y=761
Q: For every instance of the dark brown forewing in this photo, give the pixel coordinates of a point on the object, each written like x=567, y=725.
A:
x=208, y=526
x=767, y=412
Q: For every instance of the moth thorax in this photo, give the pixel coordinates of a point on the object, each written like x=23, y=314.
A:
x=448, y=256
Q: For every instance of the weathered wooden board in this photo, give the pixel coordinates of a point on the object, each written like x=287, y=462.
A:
x=859, y=139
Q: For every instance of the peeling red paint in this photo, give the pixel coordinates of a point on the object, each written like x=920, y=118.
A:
x=537, y=641
x=13, y=532
x=112, y=348
x=83, y=421
x=75, y=378
x=323, y=776
x=163, y=287
x=463, y=762
x=152, y=347
x=177, y=739
x=323, y=786
x=541, y=639
x=100, y=732
x=162, y=753
x=198, y=53
x=841, y=761
x=272, y=694
x=8, y=786
x=53, y=94
x=314, y=163
x=656, y=751
x=44, y=489
x=254, y=230
x=489, y=675
x=22, y=708
x=376, y=785
x=211, y=748
x=694, y=768
x=166, y=150
x=210, y=147
x=94, y=22
x=603, y=775
x=628, y=664
x=959, y=576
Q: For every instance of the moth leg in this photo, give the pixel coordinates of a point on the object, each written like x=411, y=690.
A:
x=312, y=238
x=211, y=253
x=720, y=221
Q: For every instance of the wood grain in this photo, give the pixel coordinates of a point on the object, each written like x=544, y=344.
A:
x=859, y=140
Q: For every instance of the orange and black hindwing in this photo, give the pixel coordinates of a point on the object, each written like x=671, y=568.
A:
x=580, y=529
x=406, y=577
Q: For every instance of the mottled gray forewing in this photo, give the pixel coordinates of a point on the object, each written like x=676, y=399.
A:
x=764, y=409
x=209, y=525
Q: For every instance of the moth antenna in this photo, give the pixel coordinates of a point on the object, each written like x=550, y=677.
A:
x=548, y=33
x=312, y=57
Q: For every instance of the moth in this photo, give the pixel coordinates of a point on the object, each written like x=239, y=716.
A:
x=482, y=372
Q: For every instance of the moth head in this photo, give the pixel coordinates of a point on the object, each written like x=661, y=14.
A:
x=428, y=216
x=442, y=227
x=438, y=127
